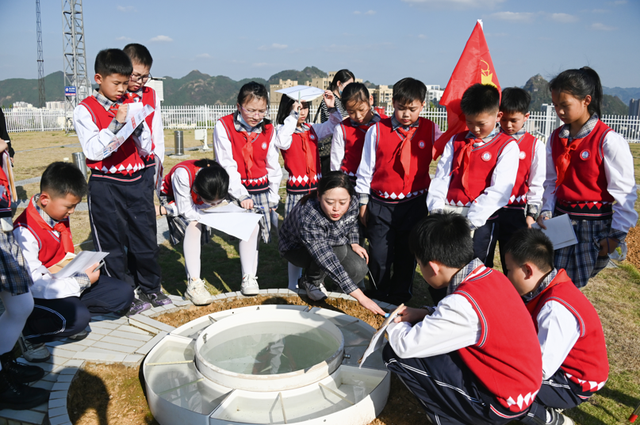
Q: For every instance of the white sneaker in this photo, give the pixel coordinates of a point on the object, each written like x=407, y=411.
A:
x=33, y=352
x=250, y=285
x=197, y=293
x=315, y=292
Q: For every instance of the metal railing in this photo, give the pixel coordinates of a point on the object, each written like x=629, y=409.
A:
x=540, y=123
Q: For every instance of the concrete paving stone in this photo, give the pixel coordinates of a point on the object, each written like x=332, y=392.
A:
x=131, y=330
x=125, y=341
x=68, y=347
x=65, y=378
x=58, y=394
x=43, y=408
x=58, y=411
x=62, y=352
x=69, y=370
x=133, y=359
x=101, y=357
x=147, y=313
x=58, y=402
x=53, y=377
x=74, y=364
x=60, y=420
x=93, y=336
x=150, y=322
x=149, y=345
x=46, y=366
x=99, y=331
x=113, y=347
x=61, y=386
x=46, y=385
x=181, y=302
x=104, y=325
x=264, y=291
x=22, y=416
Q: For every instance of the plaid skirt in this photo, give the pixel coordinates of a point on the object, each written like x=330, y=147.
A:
x=581, y=261
x=14, y=276
x=261, y=206
x=292, y=201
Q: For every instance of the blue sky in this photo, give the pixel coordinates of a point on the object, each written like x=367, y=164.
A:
x=381, y=41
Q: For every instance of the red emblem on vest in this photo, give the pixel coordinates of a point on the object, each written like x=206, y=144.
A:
x=584, y=155
x=421, y=144
x=522, y=155
x=486, y=156
x=264, y=145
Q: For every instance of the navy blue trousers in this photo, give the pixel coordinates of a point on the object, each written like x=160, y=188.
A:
x=485, y=239
x=510, y=220
x=123, y=221
x=63, y=317
x=388, y=228
x=448, y=391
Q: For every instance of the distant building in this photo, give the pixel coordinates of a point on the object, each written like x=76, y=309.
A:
x=434, y=94
x=22, y=105
x=54, y=105
x=634, y=107
x=283, y=84
x=382, y=96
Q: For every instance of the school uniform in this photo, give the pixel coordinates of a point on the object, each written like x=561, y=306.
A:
x=347, y=145
x=63, y=307
x=121, y=208
x=475, y=177
x=526, y=197
x=591, y=178
x=462, y=361
x=251, y=160
x=392, y=180
x=299, y=149
x=574, y=353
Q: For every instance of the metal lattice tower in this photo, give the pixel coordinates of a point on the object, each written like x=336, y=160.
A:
x=42, y=98
x=74, y=59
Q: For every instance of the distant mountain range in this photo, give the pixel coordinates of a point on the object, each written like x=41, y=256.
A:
x=197, y=88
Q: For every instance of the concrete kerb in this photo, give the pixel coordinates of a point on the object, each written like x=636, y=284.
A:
x=63, y=370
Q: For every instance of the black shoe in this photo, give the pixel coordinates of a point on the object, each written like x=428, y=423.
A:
x=137, y=306
x=16, y=396
x=156, y=299
x=557, y=418
x=20, y=373
x=79, y=336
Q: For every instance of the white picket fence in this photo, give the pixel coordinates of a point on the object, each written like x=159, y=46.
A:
x=540, y=123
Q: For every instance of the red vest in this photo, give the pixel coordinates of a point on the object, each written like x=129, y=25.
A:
x=586, y=364
x=148, y=98
x=507, y=358
x=51, y=248
x=255, y=180
x=167, y=185
x=302, y=178
x=482, y=162
x=387, y=182
x=5, y=197
x=584, y=189
x=353, y=136
x=527, y=146
x=126, y=160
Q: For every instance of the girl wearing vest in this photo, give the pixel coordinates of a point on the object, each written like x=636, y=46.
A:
x=243, y=145
x=16, y=296
x=188, y=189
x=590, y=176
x=298, y=143
x=348, y=138
x=574, y=353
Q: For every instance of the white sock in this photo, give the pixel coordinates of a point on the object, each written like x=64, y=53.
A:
x=249, y=253
x=17, y=309
x=192, y=249
x=295, y=273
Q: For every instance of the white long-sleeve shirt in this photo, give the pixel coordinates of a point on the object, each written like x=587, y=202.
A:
x=45, y=285
x=284, y=132
x=158, y=131
x=494, y=197
x=224, y=156
x=537, y=175
x=558, y=331
x=621, y=184
x=182, y=195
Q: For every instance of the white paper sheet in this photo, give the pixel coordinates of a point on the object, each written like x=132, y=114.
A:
x=80, y=263
x=377, y=340
x=559, y=230
x=133, y=121
x=239, y=224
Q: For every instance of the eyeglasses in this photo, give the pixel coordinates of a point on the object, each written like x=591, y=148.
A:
x=255, y=113
x=140, y=78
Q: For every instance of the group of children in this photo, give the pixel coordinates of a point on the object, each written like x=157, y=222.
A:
x=490, y=181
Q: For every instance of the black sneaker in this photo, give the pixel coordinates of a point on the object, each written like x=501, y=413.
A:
x=79, y=336
x=137, y=306
x=18, y=372
x=17, y=396
x=156, y=299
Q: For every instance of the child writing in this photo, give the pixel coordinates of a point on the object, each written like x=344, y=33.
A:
x=590, y=176
x=123, y=220
x=348, y=138
x=461, y=359
x=243, y=145
x=525, y=201
x=321, y=235
x=141, y=61
x=190, y=188
x=392, y=182
x=574, y=353
x=63, y=306
x=16, y=297
x=477, y=170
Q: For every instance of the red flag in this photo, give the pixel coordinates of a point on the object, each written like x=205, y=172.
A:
x=474, y=66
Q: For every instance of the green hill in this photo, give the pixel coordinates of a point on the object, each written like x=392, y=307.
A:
x=26, y=90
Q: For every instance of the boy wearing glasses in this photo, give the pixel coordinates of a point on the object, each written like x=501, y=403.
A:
x=123, y=222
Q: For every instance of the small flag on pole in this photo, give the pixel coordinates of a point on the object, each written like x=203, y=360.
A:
x=474, y=66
